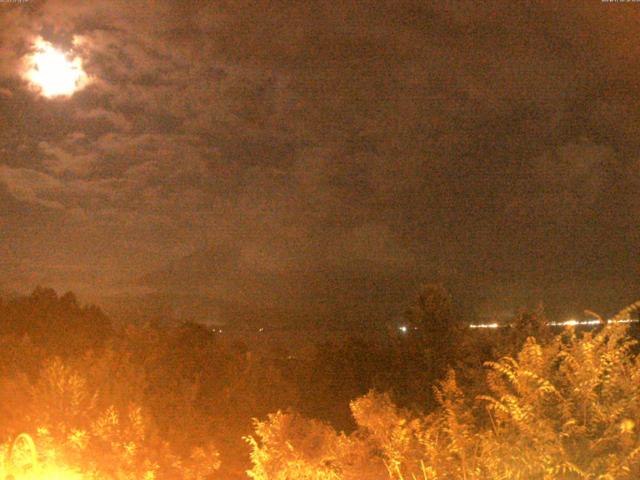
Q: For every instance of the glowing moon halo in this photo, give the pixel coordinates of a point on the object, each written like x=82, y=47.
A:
x=53, y=73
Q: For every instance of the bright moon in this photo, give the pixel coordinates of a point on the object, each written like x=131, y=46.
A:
x=54, y=73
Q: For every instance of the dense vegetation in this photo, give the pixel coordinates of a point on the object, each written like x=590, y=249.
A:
x=179, y=401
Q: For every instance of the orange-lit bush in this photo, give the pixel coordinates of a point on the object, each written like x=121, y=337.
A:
x=569, y=409
x=292, y=447
x=78, y=438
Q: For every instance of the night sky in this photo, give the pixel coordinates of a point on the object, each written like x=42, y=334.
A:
x=321, y=159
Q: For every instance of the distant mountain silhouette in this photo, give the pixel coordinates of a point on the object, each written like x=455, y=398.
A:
x=219, y=286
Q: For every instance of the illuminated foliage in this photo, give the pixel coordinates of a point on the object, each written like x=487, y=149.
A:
x=291, y=447
x=77, y=438
x=154, y=402
x=568, y=409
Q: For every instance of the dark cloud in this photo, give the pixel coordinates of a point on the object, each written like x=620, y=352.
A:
x=490, y=145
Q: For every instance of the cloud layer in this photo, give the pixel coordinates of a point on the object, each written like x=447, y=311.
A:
x=489, y=146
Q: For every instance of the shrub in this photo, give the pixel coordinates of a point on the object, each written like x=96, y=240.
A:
x=567, y=409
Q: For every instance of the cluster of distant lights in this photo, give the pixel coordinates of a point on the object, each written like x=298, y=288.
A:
x=216, y=329
x=567, y=323
x=405, y=329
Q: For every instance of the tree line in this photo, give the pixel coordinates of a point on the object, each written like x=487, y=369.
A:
x=178, y=401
